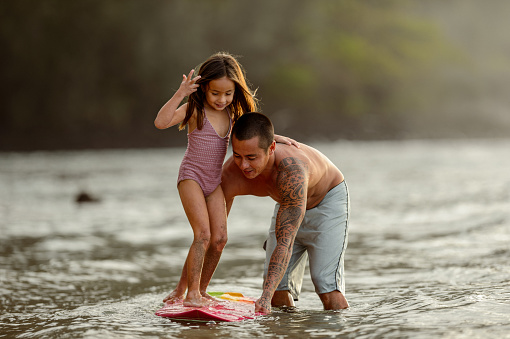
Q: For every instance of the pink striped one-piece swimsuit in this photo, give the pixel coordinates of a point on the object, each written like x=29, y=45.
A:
x=204, y=156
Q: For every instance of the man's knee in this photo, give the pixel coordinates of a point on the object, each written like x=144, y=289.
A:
x=334, y=300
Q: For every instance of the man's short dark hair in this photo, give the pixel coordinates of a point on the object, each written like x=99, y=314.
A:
x=252, y=125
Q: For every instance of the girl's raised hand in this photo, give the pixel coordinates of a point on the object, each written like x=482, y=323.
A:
x=188, y=84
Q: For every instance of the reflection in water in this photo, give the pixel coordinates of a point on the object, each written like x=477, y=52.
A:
x=427, y=253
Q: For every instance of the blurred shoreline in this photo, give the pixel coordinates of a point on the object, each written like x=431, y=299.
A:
x=89, y=74
x=126, y=146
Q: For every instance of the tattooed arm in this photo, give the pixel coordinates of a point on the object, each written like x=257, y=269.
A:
x=292, y=182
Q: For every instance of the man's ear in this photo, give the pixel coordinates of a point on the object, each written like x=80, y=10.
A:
x=272, y=148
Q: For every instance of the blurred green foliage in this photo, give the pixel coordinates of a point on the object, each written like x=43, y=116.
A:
x=90, y=73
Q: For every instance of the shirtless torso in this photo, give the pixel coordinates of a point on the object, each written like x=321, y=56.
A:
x=298, y=179
x=319, y=176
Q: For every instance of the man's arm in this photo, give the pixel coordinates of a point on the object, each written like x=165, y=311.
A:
x=292, y=182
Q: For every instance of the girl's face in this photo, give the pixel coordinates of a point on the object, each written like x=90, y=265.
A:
x=220, y=93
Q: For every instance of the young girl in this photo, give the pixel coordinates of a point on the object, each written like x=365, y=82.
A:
x=217, y=97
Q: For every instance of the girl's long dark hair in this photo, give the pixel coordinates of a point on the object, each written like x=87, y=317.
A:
x=215, y=67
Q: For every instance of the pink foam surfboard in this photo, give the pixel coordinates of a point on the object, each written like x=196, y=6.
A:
x=231, y=307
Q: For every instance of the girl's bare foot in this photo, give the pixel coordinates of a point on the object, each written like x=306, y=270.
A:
x=201, y=302
x=195, y=300
x=174, y=297
x=210, y=298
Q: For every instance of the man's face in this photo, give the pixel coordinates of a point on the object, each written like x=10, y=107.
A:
x=249, y=157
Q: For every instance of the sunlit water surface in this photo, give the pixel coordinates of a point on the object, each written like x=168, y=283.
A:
x=427, y=258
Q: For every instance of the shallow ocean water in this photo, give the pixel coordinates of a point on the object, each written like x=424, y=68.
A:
x=428, y=249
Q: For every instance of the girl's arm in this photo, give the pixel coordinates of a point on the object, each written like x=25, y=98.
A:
x=285, y=140
x=170, y=114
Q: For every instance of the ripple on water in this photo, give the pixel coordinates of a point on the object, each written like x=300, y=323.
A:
x=427, y=255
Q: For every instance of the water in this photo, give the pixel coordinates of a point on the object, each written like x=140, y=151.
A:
x=427, y=256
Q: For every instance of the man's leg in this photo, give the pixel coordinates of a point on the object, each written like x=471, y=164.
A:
x=334, y=300
x=327, y=227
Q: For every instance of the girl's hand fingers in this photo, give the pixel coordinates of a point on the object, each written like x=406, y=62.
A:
x=190, y=74
x=188, y=84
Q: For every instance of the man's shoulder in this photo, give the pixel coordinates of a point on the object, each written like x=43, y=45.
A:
x=290, y=156
x=230, y=168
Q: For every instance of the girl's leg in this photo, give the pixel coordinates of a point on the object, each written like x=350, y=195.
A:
x=218, y=224
x=194, y=204
x=178, y=294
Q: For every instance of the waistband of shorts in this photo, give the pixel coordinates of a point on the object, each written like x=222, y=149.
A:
x=331, y=191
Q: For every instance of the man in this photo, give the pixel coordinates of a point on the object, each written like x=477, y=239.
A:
x=311, y=214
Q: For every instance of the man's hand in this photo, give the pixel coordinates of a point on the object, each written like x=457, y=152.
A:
x=263, y=306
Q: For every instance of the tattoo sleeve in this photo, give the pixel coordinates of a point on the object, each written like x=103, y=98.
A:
x=292, y=183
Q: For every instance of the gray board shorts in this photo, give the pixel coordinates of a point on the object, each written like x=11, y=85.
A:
x=322, y=236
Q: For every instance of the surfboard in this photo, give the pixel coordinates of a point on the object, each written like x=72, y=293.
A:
x=231, y=306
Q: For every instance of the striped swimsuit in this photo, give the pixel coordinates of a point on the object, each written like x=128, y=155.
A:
x=204, y=157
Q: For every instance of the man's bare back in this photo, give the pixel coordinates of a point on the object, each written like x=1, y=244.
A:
x=322, y=175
